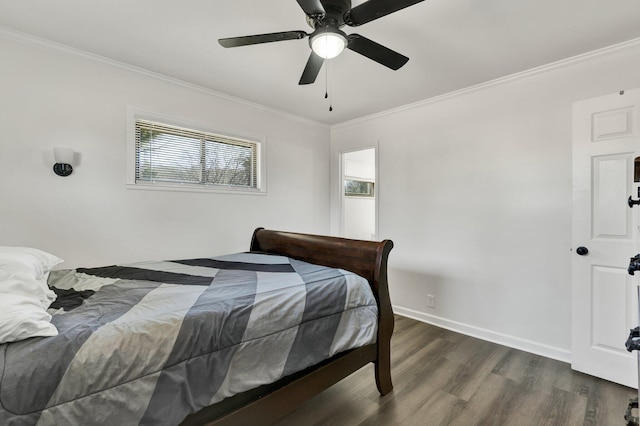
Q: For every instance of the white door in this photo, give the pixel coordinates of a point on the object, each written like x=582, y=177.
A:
x=359, y=194
x=606, y=141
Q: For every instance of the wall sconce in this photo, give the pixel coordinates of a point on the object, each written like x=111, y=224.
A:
x=63, y=161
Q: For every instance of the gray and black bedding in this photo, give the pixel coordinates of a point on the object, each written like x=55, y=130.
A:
x=151, y=342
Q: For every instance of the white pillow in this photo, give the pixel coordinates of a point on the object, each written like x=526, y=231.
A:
x=31, y=266
x=24, y=293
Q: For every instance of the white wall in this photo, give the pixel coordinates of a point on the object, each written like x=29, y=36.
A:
x=475, y=191
x=51, y=97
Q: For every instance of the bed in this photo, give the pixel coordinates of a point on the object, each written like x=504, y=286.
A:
x=138, y=343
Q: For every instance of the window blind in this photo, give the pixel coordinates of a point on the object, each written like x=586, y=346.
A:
x=171, y=154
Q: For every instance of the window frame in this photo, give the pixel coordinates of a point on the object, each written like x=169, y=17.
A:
x=134, y=114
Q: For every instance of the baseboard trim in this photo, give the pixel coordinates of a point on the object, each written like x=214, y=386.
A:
x=484, y=334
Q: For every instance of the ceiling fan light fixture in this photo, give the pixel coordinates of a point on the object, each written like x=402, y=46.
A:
x=329, y=43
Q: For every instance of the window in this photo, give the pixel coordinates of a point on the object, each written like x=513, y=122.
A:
x=175, y=157
x=358, y=188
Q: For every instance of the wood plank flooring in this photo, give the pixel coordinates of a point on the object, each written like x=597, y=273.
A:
x=445, y=378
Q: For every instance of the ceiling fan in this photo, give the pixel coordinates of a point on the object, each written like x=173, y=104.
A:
x=327, y=41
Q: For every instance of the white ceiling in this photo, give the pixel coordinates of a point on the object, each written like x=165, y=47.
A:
x=451, y=44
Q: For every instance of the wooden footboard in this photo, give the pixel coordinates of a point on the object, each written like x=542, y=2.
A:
x=270, y=402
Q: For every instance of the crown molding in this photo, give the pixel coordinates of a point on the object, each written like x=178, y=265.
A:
x=51, y=45
x=498, y=81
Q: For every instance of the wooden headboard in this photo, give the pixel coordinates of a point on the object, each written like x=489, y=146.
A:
x=364, y=258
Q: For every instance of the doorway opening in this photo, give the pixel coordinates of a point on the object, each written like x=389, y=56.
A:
x=359, y=194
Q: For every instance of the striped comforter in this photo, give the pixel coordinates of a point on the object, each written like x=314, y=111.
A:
x=160, y=340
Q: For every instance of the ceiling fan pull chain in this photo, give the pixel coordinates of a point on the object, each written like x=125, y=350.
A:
x=328, y=84
x=326, y=81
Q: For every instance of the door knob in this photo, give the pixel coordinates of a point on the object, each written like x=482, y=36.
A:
x=582, y=251
x=634, y=264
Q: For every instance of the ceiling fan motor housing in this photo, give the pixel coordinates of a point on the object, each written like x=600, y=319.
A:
x=334, y=14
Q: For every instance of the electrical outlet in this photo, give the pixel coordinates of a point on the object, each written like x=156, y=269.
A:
x=431, y=301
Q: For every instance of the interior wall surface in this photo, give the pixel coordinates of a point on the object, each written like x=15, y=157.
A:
x=475, y=191
x=52, y=97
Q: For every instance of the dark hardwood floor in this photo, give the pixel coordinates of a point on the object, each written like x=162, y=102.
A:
x=445, y=378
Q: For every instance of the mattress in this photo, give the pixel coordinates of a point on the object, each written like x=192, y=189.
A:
x=151, y=342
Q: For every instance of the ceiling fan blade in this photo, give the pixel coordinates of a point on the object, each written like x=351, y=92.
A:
x=377, y=52
x=261, y=38
x=374, y=9
x=312, y=69
x=312, y=7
